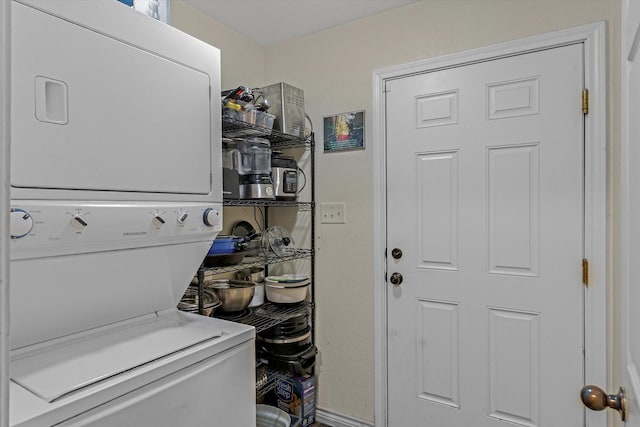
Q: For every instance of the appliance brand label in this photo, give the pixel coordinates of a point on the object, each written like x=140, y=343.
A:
x=134, y=233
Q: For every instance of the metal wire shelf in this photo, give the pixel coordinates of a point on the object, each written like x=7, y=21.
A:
x=271, y=379
x=260, y=261
x=264, y=317
x=269, y=314
x=271, y=203
x=237, y=129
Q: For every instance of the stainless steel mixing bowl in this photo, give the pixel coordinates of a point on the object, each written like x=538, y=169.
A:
x=235, y=295
x=189, y=301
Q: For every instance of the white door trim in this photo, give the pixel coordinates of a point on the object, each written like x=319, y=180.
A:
x=593, y=38
x=5, y=32
x=630, y=378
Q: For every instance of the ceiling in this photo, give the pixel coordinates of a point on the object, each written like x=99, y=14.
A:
x=267, y=22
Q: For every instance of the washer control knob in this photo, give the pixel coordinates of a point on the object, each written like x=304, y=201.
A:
x=78, y=222
x=182, y=217
x=211, y=217
x=158, y=220
x=21, y=223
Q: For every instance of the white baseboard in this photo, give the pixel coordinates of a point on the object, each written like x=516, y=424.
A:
x=334, y=419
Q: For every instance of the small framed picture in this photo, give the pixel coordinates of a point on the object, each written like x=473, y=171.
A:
x=344, y=131
x=158, y=9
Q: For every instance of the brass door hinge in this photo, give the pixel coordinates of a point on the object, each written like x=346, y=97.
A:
x=585, y=272
x=585, y=101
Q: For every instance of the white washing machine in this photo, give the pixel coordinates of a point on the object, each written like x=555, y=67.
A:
x=116, y=197
x=167, y=369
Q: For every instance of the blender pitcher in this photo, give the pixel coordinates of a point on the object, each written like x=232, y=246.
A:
x=255, y=168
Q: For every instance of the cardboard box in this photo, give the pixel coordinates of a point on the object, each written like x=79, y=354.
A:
x=297, y=397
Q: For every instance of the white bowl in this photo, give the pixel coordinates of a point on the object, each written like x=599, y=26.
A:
x=258, y=296
x=286, y=294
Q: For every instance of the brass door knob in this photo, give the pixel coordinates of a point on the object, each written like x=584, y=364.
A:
x=595, y=398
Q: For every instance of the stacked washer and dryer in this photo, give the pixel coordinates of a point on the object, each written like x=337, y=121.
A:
x=116, y=197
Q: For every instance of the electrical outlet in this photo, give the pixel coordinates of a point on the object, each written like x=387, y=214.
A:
x=332, y=213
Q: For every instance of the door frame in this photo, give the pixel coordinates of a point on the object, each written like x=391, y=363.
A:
x=630, y=48
x=5, y=86
x=595, y=202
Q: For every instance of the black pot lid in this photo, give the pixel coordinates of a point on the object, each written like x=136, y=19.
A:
x=243, y=229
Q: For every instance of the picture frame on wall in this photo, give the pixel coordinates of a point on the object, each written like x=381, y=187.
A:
x=344, y=131
x=157, y=9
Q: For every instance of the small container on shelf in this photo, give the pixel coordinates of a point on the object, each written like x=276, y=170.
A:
x=247, y=116
x=265, y=120
x=230, y=109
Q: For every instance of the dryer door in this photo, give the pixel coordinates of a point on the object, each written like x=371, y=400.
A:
x=92, y=112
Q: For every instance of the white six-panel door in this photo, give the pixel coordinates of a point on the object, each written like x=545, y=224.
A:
x=485, y=201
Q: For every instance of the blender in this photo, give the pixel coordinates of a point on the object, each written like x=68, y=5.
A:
x=251, y=158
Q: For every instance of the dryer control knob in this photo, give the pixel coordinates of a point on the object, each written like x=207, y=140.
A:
x=158, y=220
x=78, y=222
x=182, y=217
x=211, y=217
x=21, y=223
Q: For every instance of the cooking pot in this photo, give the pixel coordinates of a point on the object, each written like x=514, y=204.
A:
x=286, y=345
x=287, y=328
x=224, y=259
x=223, y=245
x=226, y=250
x=298, y=364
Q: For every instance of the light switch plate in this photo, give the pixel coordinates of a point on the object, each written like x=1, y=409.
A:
x=332, y=213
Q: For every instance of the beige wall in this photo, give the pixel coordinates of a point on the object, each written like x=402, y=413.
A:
x=243, y=60
x=334, y=69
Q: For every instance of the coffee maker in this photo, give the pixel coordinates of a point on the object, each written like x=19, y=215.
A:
x=250, y=160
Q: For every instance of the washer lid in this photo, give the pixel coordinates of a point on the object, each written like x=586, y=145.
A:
x=62, y=369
